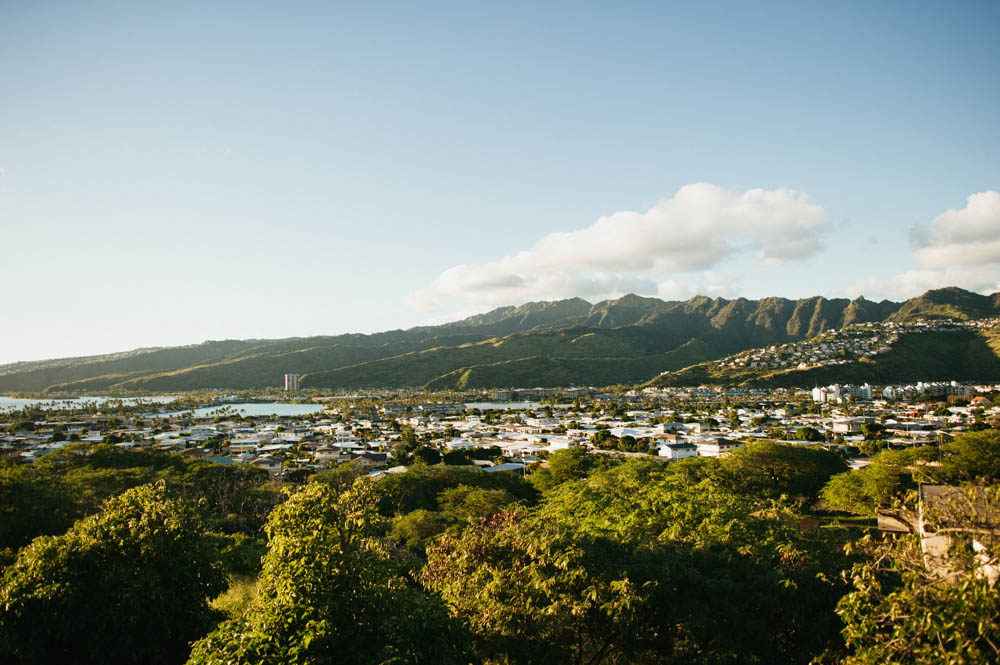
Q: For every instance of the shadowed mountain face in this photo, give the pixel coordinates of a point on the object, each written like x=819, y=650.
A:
x=627, y=340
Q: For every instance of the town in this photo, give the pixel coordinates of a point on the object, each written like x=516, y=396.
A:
x=384, y=432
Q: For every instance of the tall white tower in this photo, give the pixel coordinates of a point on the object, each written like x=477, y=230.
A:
x=291, y=383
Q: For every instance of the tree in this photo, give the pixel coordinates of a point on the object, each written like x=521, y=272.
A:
x=31, y=504
x=628, y=443
x=778, y=433
x=414, y=529
x=637, y=564
x=602, y=438
x=456, y=458
x=127, y=585
x=469, y=503
x=425, y=455
x=422, y=486
x=408, y=435
x=873, y=431
x=340, y=477
x=878, y=485
x=532, y=595
x=332, y=591
x=564, y=466
x=970, y=457
x=770, y=470
x=808, y=434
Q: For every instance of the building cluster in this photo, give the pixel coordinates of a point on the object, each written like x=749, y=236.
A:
x=381, y=438
x=838, y=347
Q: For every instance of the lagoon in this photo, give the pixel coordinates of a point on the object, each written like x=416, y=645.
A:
x=254, y=409
x=493, y=406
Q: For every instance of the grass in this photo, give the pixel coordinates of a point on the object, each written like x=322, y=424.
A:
x=235, y=600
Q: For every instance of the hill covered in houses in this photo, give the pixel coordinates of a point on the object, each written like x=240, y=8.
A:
x=628, y=340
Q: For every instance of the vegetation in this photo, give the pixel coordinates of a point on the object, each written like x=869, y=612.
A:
x=129, y=584
x=331, y=591
x=592, y=560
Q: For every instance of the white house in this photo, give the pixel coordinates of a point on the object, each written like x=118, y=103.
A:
x=678, y=450
x=717, y=447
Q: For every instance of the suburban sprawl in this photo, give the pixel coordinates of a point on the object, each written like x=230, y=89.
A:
x=381, y=433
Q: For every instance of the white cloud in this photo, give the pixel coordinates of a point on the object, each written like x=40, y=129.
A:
x=912, y=283
x=695, y=230
x=957, y=248
x=961, y=237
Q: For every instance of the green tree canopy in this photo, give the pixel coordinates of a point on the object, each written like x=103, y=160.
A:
x=420, y=487
x=638, y=564
x=808, y=434
x=127, y=585
x=970, y=457
x=768, y=469
x=566, y=465
x=331, y=591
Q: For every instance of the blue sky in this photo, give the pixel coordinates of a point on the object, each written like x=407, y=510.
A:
x=176, y=172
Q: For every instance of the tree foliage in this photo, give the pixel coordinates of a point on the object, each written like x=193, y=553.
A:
x=906, y=606
x=331, y=591
x=769, y=469
x=970, y=457
x=564, y=466
x=636, y=563
x=420, y=487
x=127, y=585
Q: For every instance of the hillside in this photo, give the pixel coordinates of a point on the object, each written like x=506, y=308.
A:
x=927, y=355
x=629, y=339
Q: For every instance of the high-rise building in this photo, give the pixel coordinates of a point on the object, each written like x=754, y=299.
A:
x=291, y=382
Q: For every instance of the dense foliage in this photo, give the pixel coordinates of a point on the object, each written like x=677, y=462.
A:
x=910, y=605
x=332, y=592
x=591, y=560
x=127, y=585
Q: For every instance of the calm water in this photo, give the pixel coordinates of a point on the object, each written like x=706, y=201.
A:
x=12, y=403
x=251, y=409
x=489, y=406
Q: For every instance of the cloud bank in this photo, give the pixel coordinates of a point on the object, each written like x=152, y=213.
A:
x=690, y=234
x=957, y=248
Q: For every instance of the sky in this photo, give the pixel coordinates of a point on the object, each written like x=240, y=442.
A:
x=177, y=172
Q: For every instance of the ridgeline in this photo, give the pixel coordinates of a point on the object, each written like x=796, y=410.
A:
x=628, y=340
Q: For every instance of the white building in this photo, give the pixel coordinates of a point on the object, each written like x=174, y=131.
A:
x=291, y=383
x=678, y=450
x=717, y=447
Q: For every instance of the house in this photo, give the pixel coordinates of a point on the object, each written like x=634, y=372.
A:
x=848, y=425
x=678, y=450
x=369, y=460
x=513, y=467
x=943, y=512
x=947, y=511
x=717, y=446
x=270, y=464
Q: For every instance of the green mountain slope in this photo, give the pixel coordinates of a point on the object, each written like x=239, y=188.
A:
x=963, y=355
x=628, y=339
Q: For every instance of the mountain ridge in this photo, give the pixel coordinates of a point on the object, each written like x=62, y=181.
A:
x=641, y=336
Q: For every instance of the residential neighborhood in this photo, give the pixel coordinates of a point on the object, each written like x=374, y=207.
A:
x=386, y=435
x=844, y=345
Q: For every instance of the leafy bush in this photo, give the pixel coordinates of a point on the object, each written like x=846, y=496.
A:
x=129, y=584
